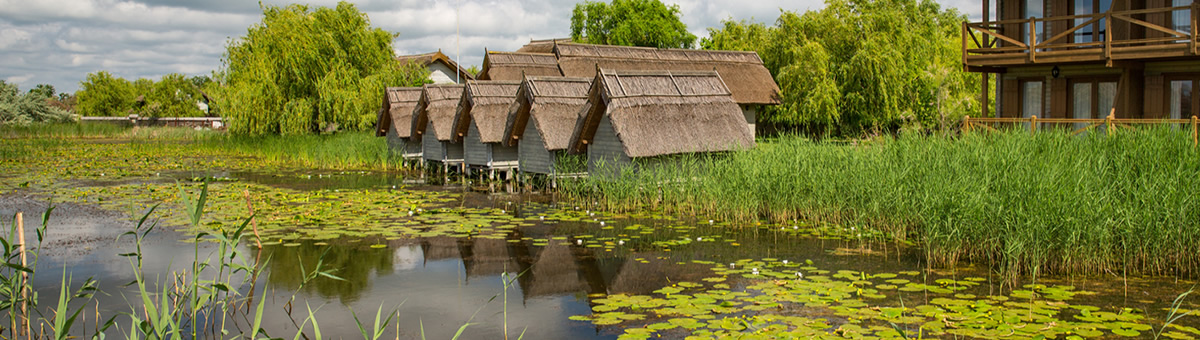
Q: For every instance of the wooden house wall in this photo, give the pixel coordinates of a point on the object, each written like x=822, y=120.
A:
x=476, y=152
x=454, y=151
x=751, y=114
x=395, y=144
x=606, y=154
x=412, y=147
x=532, y=155
x=503, y=155
x=431, y=148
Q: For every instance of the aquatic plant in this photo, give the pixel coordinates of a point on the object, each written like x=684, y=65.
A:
x=1047, y=203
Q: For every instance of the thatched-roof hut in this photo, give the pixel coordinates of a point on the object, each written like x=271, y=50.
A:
x=542, y=45
x=486, y=257
x=442, y=69
x=479, y=124
x=646, y=115
x=395, y=120
x=433, y=120
x=554, y=272
x=542, y=120
x=512, y=65
x=749, y=82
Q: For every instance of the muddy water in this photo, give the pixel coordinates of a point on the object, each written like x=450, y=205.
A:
x=557, y=268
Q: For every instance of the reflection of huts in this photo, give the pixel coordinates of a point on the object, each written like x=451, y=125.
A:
x=554, y=272
x=440, y=248
x=479, y=124
x=646, y=115
x=485, y=257
x=433, y=119
x=542, y=45
x=541, y=121
x=512, y=65
x=441, y=68
x=644, y=278
x=395, y=120
x=748, y=80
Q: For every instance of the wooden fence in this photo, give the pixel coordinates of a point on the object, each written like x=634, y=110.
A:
x=133, y=120
x=1111, y=124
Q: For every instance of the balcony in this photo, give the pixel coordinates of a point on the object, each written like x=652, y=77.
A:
x=1139, y=35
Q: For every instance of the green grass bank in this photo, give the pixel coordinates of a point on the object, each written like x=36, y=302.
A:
x=1025, y=205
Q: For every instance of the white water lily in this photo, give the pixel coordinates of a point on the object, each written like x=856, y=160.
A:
x=601, y=223
x=785, y=261
x=577, y=241
x=621, y=242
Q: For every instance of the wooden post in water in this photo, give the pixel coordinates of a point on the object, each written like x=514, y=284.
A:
x=24, y=276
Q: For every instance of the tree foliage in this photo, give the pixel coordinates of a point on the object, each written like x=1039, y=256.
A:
x=858, y=66
x=31, y=107
x=103, y=94
x=302, y=70
x=647, y=23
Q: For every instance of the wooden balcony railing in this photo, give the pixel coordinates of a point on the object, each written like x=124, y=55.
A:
x=989, y=44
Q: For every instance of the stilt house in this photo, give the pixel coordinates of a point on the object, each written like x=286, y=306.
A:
x=479, y=124
x=644, y=116
x=1087, y=58
x=433, y=120
x=748, y=80
x=513, y=65
x=541, y=122
x=395, y=120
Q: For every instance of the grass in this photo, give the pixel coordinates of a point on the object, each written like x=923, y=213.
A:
x=1026, y=205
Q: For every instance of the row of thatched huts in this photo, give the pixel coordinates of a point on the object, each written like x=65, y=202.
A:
x=616, y=104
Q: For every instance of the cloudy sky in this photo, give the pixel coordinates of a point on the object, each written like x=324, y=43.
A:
x=60, y=41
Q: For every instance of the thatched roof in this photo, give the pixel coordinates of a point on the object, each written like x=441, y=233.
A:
x=487, y=257
x=396, y=113
x=662, y=112
x=743, y=72
x=438, y=104
x=554, y=104
x=427, y=59
x=513, y=65
x=485, y=104
x=542, y=46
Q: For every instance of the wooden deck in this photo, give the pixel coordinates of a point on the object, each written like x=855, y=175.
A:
x=997, y=44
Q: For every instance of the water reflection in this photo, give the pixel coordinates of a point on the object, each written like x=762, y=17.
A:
x=355, y=262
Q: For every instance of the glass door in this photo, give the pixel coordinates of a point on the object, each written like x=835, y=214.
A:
x=1180, y=99
x=1092, y=98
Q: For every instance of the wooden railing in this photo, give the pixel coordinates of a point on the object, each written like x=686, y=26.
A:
x=1111, y=124
x=987, y=44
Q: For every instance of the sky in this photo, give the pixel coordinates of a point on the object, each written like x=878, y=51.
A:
x=59, y=42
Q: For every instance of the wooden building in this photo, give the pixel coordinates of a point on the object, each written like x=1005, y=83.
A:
x=649, y=115
x=479, y=125
x=433, y=120
x=1087, y=58
x=395, y=120
x=514, y=65
x=542, y=120
x=749, y=81
x=542, y=45
x=442, y=69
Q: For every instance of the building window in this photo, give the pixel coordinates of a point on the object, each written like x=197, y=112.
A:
x=1094, y=32
x=1032, y=98
x=1035, y=9
x=1180, y=99
x=1092, y=98
x=1181, y=19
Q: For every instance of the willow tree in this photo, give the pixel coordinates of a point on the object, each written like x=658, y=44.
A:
x=105, y=95
x=302, y=70
x=861, y=65
x=648, y=23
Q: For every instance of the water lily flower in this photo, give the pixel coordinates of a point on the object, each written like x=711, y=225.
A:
x=795, y=227
x=710, y=221
x=798, y=274
x=621, y=242
x=785, y=261
x=578, y=241
x=543, y=218
x=601, y=223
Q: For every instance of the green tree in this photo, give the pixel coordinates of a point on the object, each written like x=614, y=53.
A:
x=102, y=94
x=302, y=70
x=647, y=23
x=45, y=90
x=32, y=107
x=172, y=96
x=859, y=66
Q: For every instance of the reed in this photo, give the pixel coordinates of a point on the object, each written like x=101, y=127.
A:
x=1046, y=203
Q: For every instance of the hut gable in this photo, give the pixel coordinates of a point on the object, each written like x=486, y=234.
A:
x=396, y=113
x=484, y=104
x=542, y=46
x=658, y=113
x=552, y=104
x=749, y=81
x=430, y=59
x=437, y=106
x=513, y=65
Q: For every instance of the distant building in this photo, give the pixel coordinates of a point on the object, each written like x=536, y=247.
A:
x=479, y=124
x=542, y=46
x=635, y=119
x=749, y=81
x=395, y=120
x=542, y=120
x=442, y=69
x=514, y=65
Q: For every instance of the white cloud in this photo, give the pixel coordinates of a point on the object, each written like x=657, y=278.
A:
x=19, y=79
